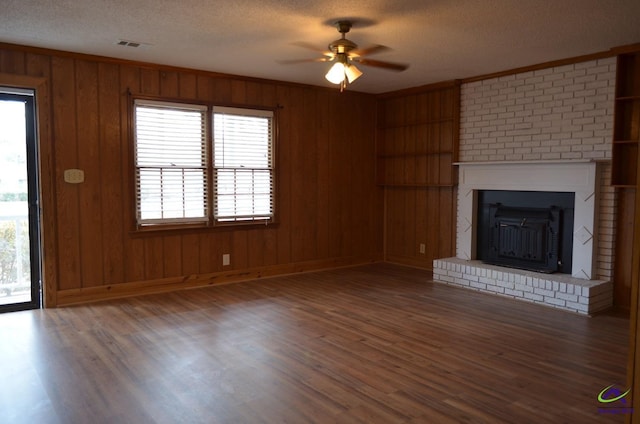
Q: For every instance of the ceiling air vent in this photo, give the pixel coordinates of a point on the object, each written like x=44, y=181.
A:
x=128, y=43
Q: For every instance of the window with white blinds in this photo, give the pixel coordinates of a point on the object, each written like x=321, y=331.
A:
x=243, y=165
x=171, y=162
x=175, y=157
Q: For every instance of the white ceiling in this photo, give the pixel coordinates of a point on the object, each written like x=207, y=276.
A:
x=440, y=39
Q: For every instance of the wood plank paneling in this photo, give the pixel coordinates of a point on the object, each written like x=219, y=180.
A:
x=188, y=86
x=221, y=90
x=238, y=92
x=169, y=84
x=172, y=255
x=253, y=93
x=284, y=174
x=363, y=173
x=323, y=190
x=110, y=127
x=190, y=254
x=89, y=160
x=150, y=81
x=13, y=62
x=239, y=249
x=134, y=266
x=154, y=260
x=303, y=152
x=340, y=179
x=329, y=207
x=38, y=65
x=416, y=147
x=65, y=133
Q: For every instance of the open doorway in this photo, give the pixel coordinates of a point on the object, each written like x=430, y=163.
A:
x=20, y=282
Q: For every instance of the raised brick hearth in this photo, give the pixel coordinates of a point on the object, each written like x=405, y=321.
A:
x=556, y=290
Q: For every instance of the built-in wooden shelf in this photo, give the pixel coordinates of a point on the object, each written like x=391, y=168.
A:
x=417, y=185
x=415, y=123
x=408, y=154
x=416, y=146
x=417, y=141
x=626, y=129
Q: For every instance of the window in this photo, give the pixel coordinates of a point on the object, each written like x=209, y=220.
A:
x=171, y=162
x=243, y=162
x=175, y=159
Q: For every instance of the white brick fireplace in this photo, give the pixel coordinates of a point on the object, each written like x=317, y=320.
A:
x=577, y=292
x=561, y=176
x=544, y=130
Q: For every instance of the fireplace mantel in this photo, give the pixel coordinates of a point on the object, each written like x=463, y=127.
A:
x=575, y=176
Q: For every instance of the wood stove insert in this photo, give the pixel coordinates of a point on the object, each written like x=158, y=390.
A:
x=526, y=230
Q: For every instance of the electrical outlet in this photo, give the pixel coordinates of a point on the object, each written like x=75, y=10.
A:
x=226, y=259
x=422, y=248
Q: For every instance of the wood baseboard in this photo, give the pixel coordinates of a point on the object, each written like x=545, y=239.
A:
x=412, y=262
x=138, y=288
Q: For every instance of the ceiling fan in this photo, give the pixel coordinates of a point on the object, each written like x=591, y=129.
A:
x=345, y=53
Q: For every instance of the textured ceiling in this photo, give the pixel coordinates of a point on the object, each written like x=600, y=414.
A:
x=440, y=39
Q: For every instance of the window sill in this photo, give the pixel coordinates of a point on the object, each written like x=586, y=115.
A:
x=173, y=229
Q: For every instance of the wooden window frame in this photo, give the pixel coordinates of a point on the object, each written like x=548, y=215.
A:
x=247, y=166
x=211, y=223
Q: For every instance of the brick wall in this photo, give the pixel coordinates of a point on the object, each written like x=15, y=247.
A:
x=559, y=113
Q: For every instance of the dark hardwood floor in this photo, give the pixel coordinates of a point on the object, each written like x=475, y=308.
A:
x=371, y=344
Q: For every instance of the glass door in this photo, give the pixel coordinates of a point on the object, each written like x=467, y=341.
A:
x=19, y=218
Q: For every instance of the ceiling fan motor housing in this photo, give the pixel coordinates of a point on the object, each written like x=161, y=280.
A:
x=342, y=45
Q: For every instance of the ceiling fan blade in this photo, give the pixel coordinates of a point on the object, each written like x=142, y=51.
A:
x=294, y=61
x=376, y=48
x=310, y=46
x=380, y=64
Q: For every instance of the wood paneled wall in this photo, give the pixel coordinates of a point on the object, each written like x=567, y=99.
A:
x=418, y=137
x=330, y=209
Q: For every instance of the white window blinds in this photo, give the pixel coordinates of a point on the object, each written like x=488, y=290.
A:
x=171, y=162
x=243, y=164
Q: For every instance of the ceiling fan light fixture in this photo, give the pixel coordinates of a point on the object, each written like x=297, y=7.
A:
x=343, y=52
x=336, y=74
x=352, y=73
